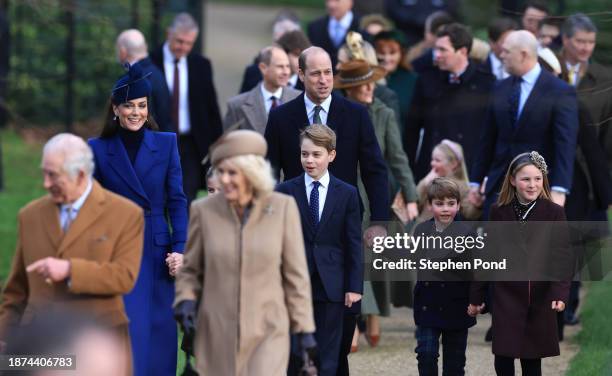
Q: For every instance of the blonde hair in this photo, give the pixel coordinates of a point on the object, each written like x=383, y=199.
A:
x=508, y=191
x=454, y=153
x=257, y=171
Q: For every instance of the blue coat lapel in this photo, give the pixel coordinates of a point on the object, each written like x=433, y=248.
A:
x=336, y=112
x=147, y=155
x=120, y=162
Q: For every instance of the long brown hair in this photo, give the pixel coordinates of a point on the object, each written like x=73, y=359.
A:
x=508, y=191
x=111, y=124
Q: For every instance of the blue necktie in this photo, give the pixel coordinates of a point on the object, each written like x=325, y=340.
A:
x=514, y=100
x=314, y=203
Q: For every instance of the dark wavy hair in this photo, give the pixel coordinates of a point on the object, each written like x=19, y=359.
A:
x=111, y=126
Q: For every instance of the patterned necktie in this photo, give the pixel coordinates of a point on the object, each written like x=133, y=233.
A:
x=316, y=118
x=175, y=97
x=274, y=102
x=454, y=79
x=571, y=74
x=514, y=100
x=314, y=203
x=69, y=210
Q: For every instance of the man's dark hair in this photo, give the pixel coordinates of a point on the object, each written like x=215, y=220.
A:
x=577, y=22
x=458, y=34
x=436, y=20
x=539, y=5
x=552, y=21
x=294, y=42
x=499, y=26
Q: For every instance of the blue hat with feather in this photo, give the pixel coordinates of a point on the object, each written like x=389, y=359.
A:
x=134, y=84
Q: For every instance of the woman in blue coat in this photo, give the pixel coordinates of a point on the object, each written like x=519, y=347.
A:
x=143, y=165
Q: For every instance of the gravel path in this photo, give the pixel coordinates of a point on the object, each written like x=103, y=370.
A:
x=395, y=352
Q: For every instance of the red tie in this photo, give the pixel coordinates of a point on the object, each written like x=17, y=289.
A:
x=175, y=97
x=274, y=102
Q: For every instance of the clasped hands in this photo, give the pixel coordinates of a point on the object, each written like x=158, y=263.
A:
x=174, y=261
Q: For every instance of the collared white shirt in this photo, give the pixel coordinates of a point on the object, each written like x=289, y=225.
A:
x=529, y=81
x=337, y=29
x=497, y=67
x=293, y=80
x=76, y=206
x=323, y=187
x=310, y=106
x=576, y=68
x=184, y=125
x=267, y=97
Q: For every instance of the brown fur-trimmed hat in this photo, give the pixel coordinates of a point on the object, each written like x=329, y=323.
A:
x=239, y=142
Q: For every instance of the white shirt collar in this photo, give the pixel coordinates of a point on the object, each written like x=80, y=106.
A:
x=76, y=206
x=310, y=105
x=266, y=94
x=169, y=57
x=569, y=66
x=345, y=21
x=324, y=180
x=532, y=76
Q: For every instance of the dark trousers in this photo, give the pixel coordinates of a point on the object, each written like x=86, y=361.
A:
x=454, y=344
x=328, y=320
x=348, y=329
x=504, y=366
x=193, y=173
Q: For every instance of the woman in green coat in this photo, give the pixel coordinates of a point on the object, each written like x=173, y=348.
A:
x=357, y=78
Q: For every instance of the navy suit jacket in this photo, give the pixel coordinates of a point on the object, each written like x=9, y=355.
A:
x=333, y=248
x=548, y=124
x=319, y=36
x=160, y=96
x=154, y=182
x=356, y=144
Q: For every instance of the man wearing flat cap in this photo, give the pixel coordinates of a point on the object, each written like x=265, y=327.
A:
x=78, y=249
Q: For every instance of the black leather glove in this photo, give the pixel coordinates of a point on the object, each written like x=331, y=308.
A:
x=307, y=346
x=184, y=314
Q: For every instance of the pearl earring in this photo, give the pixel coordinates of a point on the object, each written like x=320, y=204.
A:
x=115, y=118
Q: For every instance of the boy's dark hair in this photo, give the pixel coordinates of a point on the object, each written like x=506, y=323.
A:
x=441, y=188
x=499, y=26
x=552, y=21
x=458, y=34
x=320, y=135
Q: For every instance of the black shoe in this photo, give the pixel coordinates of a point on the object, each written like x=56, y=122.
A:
x=489, y=335
x=571, y=320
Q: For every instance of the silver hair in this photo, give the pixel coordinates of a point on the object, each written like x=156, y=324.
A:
x=578, y=22
x=524, y=40
x=77, y=154
x=257, y=171
x=134, y=43
x=283, y=26
x=183, y=22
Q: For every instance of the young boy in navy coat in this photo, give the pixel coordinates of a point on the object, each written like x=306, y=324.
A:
x=331, y=224
x=441, y=298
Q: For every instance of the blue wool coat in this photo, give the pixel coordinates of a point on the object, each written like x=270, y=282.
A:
x=155, y=183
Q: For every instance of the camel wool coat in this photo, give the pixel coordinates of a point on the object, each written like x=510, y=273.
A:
x=104, y=247
x=251, y=282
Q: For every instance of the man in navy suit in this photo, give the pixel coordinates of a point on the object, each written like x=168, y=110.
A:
x=331, y=224
x=531, y=110
x=329, y=32
x=194, y=111
x=356, y=145
x=132, y=48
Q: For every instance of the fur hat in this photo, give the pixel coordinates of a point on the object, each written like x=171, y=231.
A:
x=239, y=142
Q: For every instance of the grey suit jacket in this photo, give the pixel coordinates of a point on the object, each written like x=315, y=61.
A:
x=249, y=109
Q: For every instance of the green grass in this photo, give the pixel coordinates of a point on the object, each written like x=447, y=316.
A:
x=595, y=338
x=22, y=183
